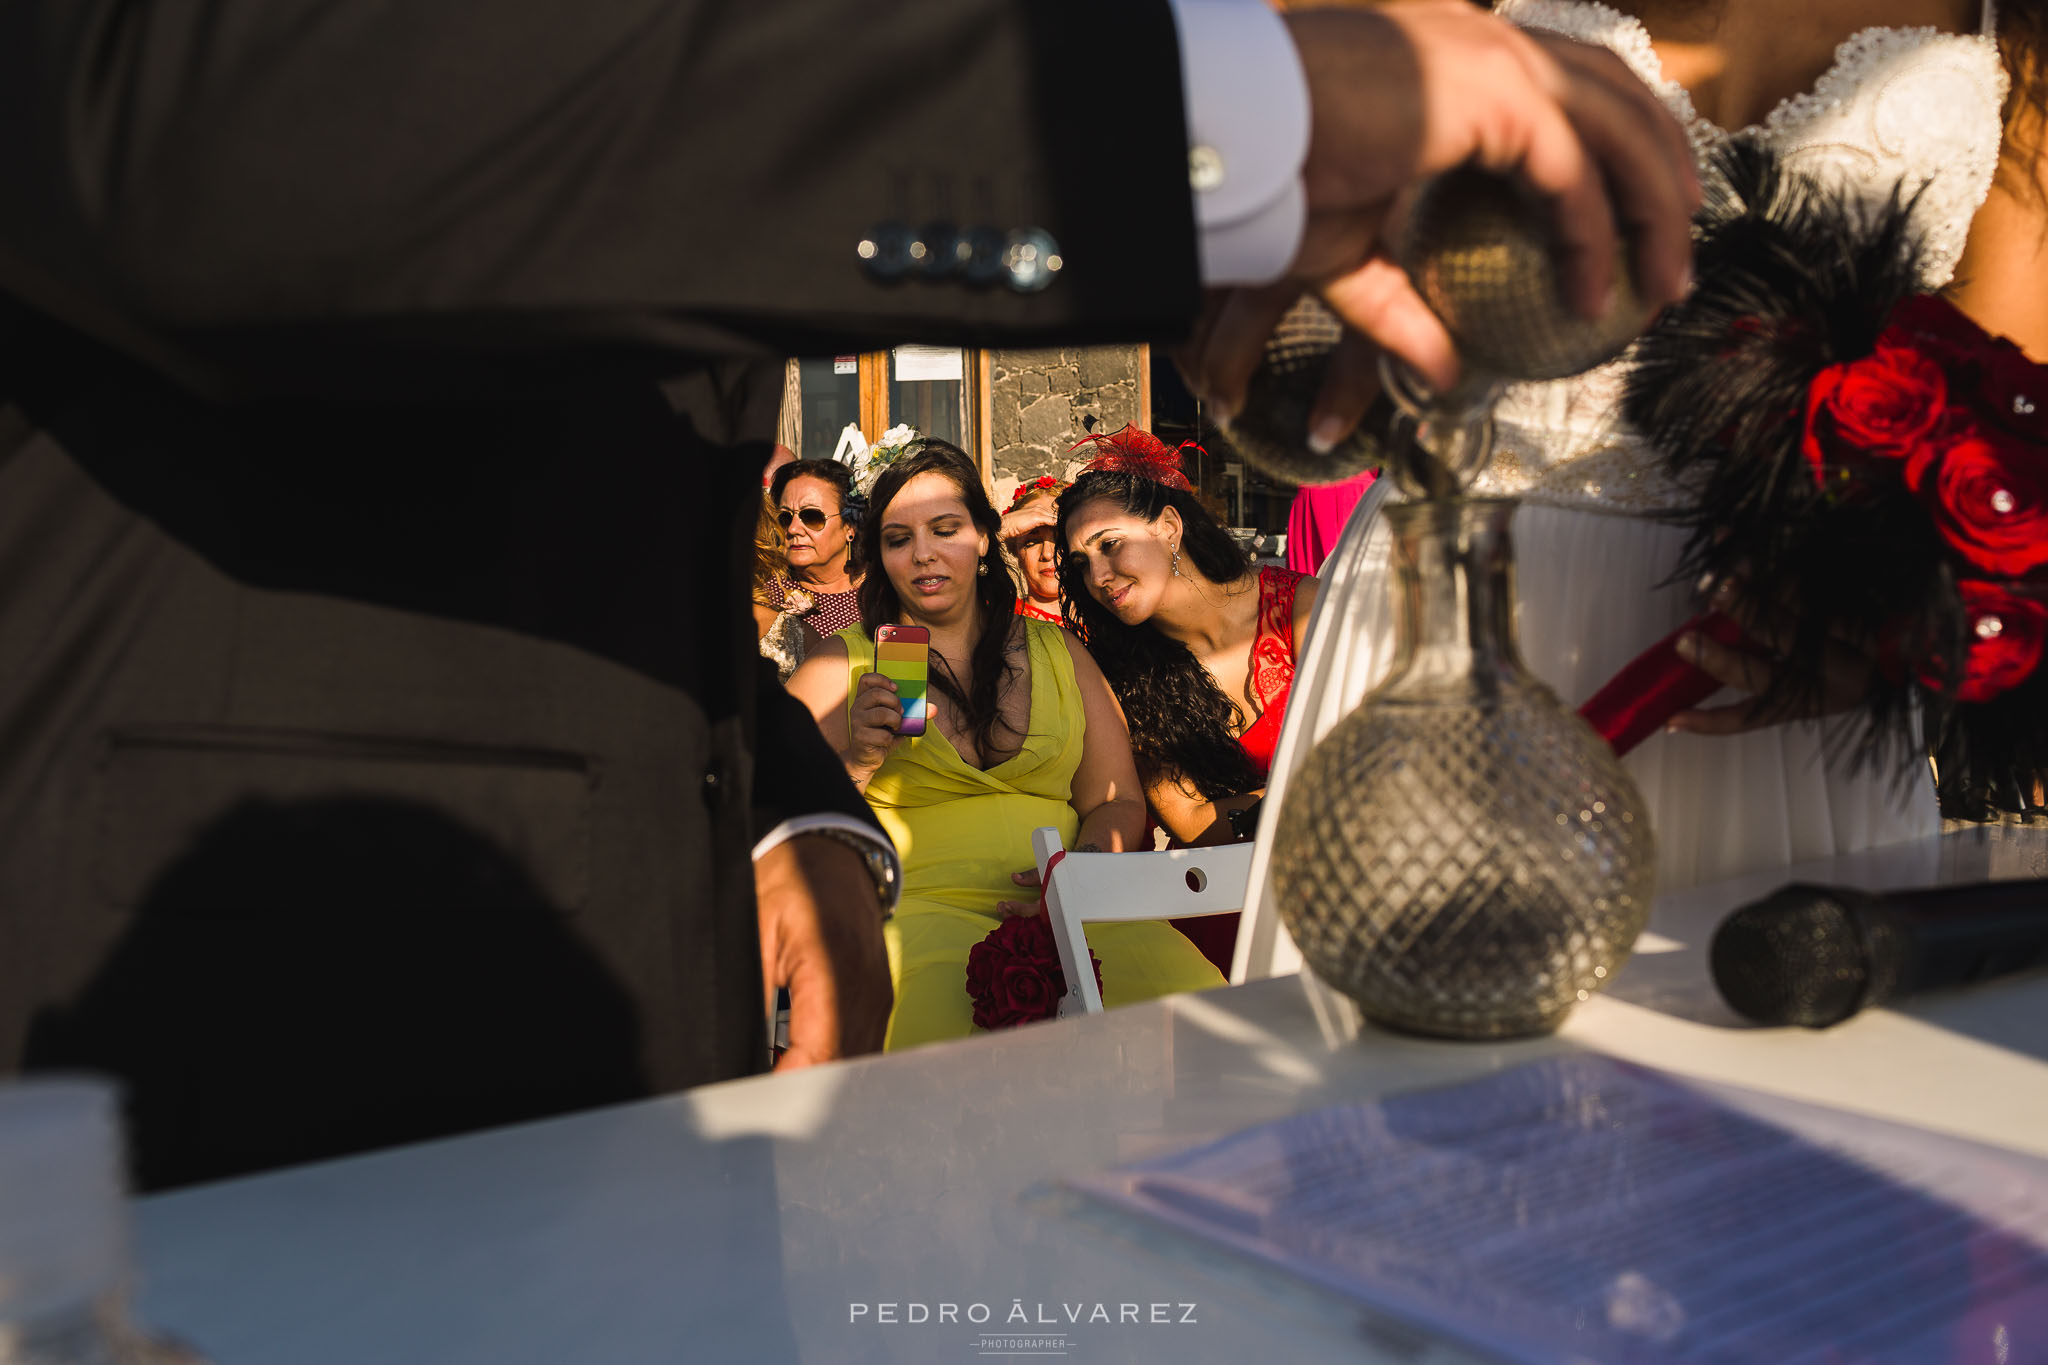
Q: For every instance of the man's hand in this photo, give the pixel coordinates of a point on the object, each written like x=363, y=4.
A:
x=1403, y=91
x=821, y=936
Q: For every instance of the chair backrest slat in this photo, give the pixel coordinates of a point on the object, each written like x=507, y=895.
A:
x=1088, y=888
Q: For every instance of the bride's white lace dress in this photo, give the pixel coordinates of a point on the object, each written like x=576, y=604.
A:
x=1916, y=105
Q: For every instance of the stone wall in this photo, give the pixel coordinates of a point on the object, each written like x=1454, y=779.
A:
x=1041, y=402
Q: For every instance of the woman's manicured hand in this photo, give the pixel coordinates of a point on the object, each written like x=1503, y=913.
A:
x=875, y=722
x=1847, y=673
x=1028, y=879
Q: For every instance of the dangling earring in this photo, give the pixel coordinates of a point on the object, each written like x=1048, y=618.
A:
x=981, y=569
x=1176, y=559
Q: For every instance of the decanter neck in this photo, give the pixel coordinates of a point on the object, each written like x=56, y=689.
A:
x=1454, y=564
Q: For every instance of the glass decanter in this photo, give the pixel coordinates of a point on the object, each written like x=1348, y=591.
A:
x=1462, y=855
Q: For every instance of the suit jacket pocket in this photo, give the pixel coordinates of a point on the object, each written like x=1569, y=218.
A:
x=162, y=787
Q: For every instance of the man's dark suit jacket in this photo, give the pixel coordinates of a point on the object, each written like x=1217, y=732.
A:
x=383, y=391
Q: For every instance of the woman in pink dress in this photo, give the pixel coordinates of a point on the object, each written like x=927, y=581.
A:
x=1198, y=644
x=1317, y=517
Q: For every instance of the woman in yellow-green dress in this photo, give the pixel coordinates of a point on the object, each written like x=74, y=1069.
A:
x=1022, y=732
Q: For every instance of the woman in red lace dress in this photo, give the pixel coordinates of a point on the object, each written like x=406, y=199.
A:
x=1197, y=643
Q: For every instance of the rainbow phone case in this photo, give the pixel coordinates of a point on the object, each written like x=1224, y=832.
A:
x=905, y=663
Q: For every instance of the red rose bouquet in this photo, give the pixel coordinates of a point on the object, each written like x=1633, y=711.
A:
x=1014, y=975
x=1869, y=468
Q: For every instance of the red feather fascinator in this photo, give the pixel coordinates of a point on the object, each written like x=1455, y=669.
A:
x=1132, y=451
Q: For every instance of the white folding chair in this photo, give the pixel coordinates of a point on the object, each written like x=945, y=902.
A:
x=1331, y=674
x=1086, y=888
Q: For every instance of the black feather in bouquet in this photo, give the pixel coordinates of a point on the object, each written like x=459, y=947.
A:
x=1867, y=468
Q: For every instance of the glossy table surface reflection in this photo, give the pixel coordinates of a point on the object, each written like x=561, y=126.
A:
x=743, y=1222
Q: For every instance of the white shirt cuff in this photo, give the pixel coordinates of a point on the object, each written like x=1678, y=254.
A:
x=1248, y=127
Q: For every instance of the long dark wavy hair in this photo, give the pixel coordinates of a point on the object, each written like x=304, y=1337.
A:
x=852, y=507
x=978, y=703
x=1181, y=722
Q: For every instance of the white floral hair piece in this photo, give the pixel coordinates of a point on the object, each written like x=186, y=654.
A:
x=867, y=465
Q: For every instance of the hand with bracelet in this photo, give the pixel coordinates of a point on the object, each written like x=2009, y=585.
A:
x=823, y=885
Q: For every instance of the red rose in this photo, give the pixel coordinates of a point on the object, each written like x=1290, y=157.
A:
x=982, y=965
x=1884, y=406
x=2004, y=386
x=1014, y=975
x=1026, y=991
x=2006, y=638
x=1987, y=494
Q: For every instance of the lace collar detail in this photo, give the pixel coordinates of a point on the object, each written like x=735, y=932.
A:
x=1590, y=21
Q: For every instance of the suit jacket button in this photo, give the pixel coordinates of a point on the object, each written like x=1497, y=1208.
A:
x=1031, y=258
x=885, y=251
x=984, y=264
x=945, y=250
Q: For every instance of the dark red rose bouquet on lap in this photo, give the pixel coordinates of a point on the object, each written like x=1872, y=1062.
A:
x=1869, y=469
x=1014, y=975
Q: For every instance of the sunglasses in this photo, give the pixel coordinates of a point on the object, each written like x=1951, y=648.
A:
x=813, y=517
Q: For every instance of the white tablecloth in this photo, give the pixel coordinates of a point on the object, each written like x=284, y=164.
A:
x=772, y=1219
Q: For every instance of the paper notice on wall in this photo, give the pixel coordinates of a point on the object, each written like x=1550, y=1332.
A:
x=1581, y=1209
x=929, y=362
x=846, y=364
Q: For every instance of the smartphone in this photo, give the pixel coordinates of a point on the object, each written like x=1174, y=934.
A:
x=903, y=655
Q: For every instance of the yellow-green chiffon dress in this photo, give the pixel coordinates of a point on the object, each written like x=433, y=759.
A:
x=961, y=832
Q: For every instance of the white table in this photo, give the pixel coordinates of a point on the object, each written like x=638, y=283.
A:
x=741, y=1222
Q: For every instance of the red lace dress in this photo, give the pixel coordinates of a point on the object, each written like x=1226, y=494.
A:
x=1271, y=676
x=1272, y=669
x=1027, y=606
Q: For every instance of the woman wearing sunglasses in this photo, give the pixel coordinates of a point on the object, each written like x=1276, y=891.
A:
x=817, y=511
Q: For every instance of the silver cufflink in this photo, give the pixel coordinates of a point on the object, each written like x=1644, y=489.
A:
x=885, y=252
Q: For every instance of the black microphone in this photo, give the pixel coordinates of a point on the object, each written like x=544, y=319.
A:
x=1814, y=955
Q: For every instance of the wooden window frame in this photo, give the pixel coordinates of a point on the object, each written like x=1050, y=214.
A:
x=875, y=417
x=977, y=399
